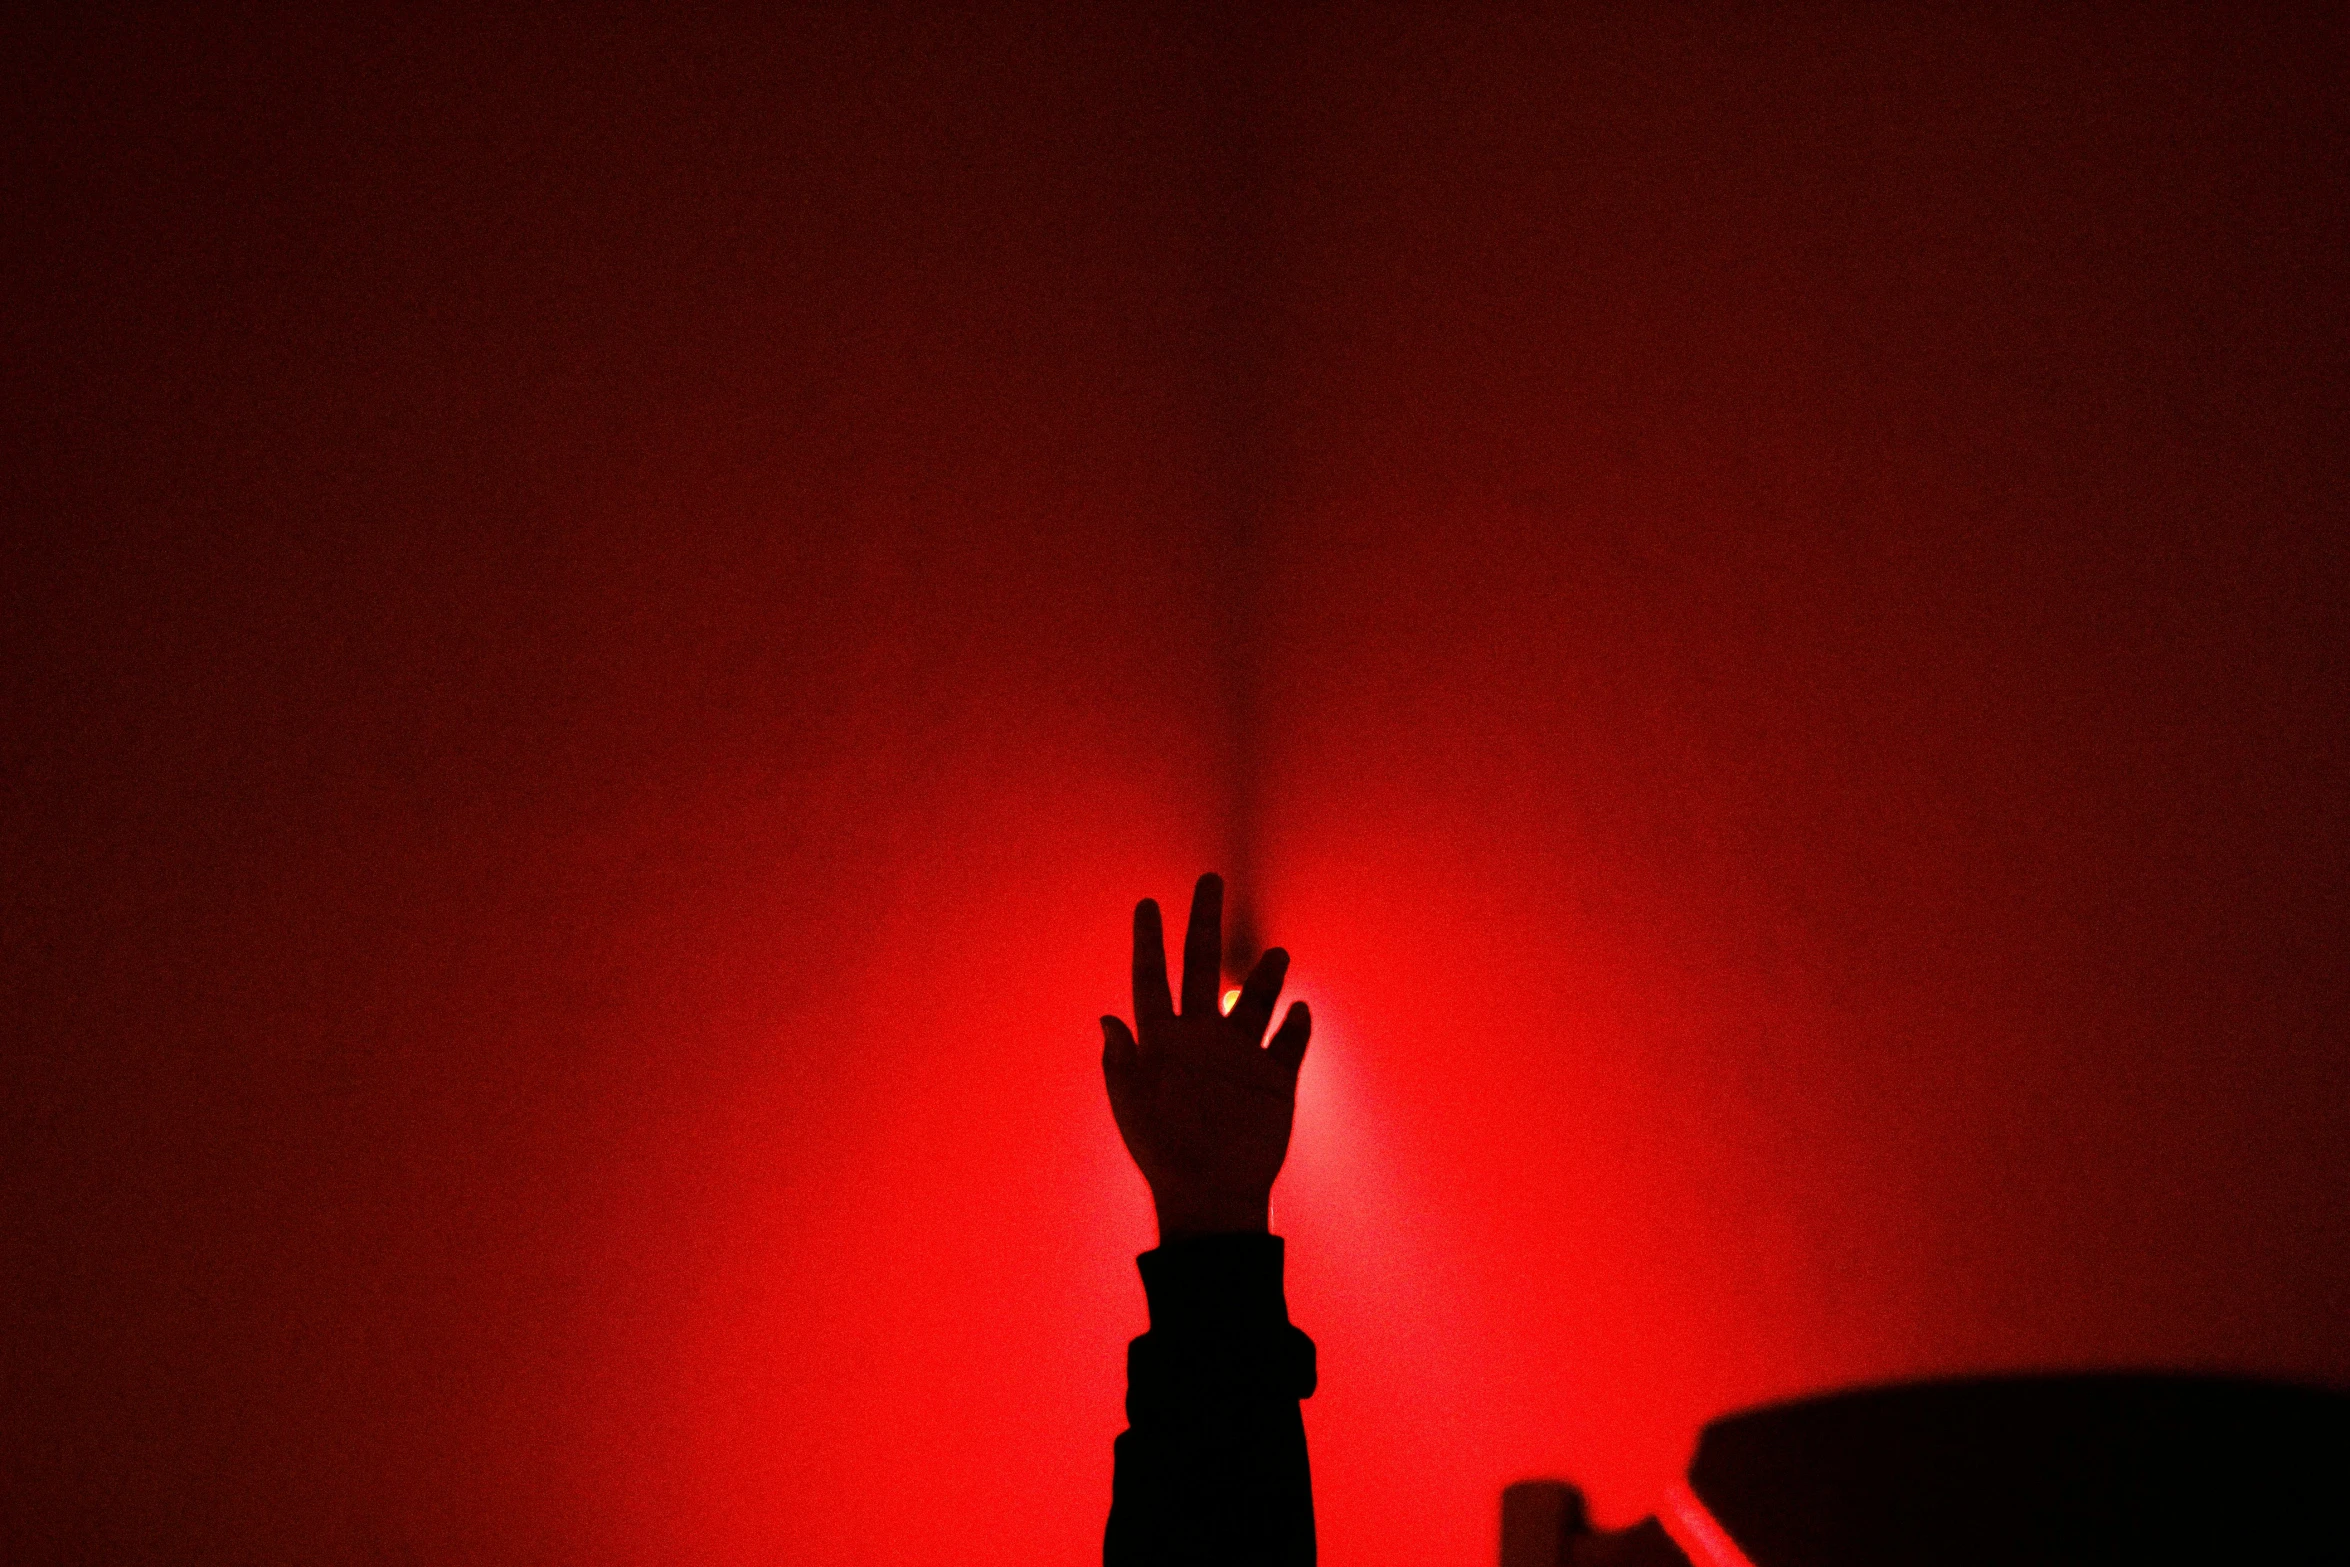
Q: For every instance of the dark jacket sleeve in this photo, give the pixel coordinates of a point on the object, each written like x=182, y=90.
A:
x=1211, y=1468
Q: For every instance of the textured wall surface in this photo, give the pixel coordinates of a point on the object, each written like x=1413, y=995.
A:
x=605, y=621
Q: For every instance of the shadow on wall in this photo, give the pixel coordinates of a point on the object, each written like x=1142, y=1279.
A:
x=2032, y=1471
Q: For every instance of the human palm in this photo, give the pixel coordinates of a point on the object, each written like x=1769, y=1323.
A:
x=1203, y=1101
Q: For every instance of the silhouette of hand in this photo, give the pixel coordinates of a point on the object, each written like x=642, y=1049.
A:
x=1204, y=1105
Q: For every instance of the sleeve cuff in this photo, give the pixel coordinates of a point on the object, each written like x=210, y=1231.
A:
x=1215, y=1284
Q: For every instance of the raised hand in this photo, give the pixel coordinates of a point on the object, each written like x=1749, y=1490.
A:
x=1203, y=1101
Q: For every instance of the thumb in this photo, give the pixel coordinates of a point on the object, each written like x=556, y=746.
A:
x=1118, y=1052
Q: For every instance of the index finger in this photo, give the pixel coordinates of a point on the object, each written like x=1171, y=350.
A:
x=1152, y=1004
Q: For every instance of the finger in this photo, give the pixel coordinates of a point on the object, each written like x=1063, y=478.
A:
x=1254, y=1009
x=1288, y=1045
x=1152, y=1004
x=1203, y=948
x=1118, y=1048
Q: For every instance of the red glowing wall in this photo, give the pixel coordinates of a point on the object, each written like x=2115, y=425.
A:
x=1809, y=782
x=605, y=622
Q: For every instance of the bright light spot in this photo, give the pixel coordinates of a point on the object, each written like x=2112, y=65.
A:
x=1230, y=996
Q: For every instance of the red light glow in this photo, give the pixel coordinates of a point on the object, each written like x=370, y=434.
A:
x=1693, y=1528
x=620, y=616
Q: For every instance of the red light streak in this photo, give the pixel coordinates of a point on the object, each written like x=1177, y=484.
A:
x=1693, y=1528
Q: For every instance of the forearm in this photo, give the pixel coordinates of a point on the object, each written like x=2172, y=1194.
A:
x=1212, y=1466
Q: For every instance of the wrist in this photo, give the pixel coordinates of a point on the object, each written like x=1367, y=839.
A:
x=1184, y=1215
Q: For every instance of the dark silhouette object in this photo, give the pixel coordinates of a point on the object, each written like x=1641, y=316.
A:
x=1544, y=1524
x=1211, y=1468
x=2026, y=1471
x=1540, y=1522
x=2029, y=1470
